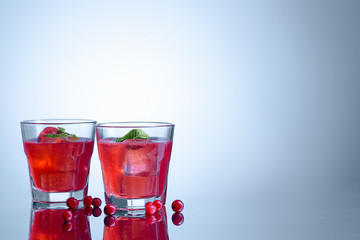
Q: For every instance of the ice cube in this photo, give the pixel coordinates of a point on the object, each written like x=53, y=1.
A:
x=140, y=158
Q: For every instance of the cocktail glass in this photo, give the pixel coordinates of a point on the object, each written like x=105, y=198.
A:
x=58, y=154
x=135, y=167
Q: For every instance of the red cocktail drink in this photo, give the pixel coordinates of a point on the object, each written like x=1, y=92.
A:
x=135, y=168
x=59, y=166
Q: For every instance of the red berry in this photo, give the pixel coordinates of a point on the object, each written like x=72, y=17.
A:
x=96, y=202
x=109, y=221
x=150, y=208
x=177, y=219
x=88, y=210
x=150, y=219
x=47, y=130
x=67, y=226
x=96, y=212
x=158, y=216
x=109, y=209
x=72, y=202
x=67, y=215
x=88, y=200
x=177, y=206
x=158, y=204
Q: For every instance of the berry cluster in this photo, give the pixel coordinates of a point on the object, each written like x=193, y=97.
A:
x=153, y=212
x=92, y=207
x=89, y=202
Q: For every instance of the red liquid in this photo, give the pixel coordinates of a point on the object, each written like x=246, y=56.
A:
x=134, y=168
x=59, y=167
x=136, y=228
x=48, y=224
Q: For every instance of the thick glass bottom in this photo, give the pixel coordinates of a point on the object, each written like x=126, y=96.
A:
x=40, y=196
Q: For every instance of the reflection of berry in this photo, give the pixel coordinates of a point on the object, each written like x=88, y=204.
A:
x=67, y=215
x=109, y=209
x=109, y=221
x=88, y=210
x=150, y=208
x=72, y=202
x=67, y=226
x=158, y=204
x=158, y=216
x=177, y=206
x=74, y=212
x=96, y=202
x=96, y=212
x=87, y=200
x=177, y=219
x=150, y=219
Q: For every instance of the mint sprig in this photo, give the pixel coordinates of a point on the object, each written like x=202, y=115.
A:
x=133, y=134
x=61, y=133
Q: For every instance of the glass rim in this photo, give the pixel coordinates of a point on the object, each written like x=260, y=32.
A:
x=135, y=124
x=58, y=121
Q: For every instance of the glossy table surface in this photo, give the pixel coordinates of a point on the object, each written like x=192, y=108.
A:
x=205, y=218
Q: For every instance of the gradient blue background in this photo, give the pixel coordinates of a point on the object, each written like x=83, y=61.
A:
x=264, y=94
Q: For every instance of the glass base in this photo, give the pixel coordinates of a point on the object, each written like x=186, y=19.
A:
x=137, y=204
x=50, y=197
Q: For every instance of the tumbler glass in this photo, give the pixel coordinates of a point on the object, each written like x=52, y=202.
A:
x=135, y=160
x=58, y=153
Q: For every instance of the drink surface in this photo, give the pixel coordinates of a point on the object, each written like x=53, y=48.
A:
x=136, y=228
x=135, y=168
x=59, y=166
x=48, y=224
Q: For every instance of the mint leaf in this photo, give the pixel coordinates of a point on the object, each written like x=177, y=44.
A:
x=133, y=134
x=61, y=130
x=56, y=135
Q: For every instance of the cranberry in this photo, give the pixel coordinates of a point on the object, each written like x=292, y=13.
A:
x=96, y=212
x=67, y=226
x=150, y=208
x=88, y=210
x=177, y=206
x=150, y=219
x=88, y=200
x=158, y=204
x=177, y=219
x=110, y=209
x=109, y=221
x=72, y=202
x=96, y=202
x=67, y=215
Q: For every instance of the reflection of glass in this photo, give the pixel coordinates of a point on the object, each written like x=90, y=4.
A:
x=129, y=227
x=58, y=153
x=134, y=170
x=47, y=223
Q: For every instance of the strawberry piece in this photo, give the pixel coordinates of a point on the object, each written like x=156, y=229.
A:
x=47, y=130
